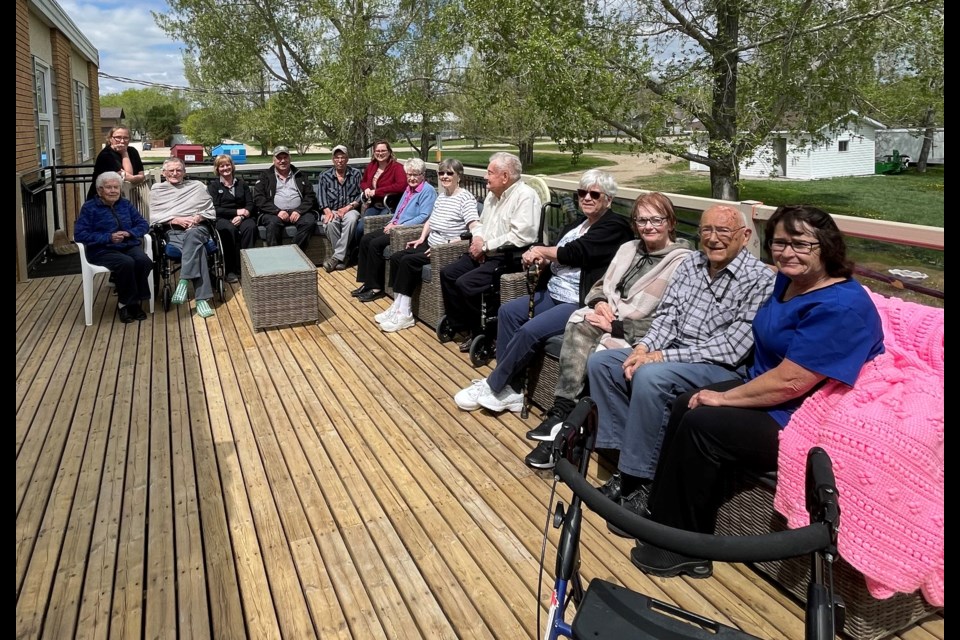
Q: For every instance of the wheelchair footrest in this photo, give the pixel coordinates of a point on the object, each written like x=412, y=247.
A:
x=611, y=611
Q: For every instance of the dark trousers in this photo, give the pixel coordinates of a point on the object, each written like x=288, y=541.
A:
x=306, y=226
x=235, y=238
x=702, y=450
x=406, y=269
x=372, y=266
x=462, y=284
x=130, y=268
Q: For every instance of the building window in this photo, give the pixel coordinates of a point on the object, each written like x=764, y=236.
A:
x=844, y=145
x=41, y=73
x=83, y=122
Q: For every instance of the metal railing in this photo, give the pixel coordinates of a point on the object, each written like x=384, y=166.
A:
x=916, y=247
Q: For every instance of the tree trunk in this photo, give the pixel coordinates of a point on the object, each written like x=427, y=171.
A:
x=928, y=133
x=526, y=153
x=425, y=144
x=724, y=176
x=723, y=184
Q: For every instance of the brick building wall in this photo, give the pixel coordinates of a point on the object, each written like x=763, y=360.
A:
x=66, y=97
x=28, y=156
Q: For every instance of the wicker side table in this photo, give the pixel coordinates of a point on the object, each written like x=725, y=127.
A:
x=279, y=285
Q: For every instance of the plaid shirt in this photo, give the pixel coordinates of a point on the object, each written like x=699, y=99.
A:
x=704, y=320
x=334, y=195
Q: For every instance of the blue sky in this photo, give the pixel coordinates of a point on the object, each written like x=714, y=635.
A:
x=130, y=43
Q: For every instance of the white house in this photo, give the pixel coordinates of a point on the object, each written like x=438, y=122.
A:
x=845, y=147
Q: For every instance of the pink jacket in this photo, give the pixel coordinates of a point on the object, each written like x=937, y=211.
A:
x=885, y=437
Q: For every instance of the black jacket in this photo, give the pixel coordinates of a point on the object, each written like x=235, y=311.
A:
x=227, y=203
x=110, y=160
x=266, y=188
x=592, y=251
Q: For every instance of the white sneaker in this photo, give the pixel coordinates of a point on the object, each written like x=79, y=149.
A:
x=506, y=400
x=396, y=323
x=383, y=316
x=466, y=398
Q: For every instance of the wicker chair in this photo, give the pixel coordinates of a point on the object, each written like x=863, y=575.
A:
x=750, y=512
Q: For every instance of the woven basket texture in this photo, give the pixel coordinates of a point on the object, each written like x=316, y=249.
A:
x=280, y=298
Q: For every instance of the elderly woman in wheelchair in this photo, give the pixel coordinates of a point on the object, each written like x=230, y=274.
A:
x=182, y=212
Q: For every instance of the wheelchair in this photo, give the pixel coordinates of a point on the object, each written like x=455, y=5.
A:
x=509, y=282
x=605, y=610
x=167, y=262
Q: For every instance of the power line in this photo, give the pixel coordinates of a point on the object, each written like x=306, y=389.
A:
x=160, y=85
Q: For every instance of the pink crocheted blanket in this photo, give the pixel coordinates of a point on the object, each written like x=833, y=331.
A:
x=885, y=437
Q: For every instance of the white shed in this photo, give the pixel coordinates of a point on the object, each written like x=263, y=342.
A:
x=845, y=147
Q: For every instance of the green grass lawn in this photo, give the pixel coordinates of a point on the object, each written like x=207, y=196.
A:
x=908, y=197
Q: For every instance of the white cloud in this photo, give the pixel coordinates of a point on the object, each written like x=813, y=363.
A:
x=130, y=43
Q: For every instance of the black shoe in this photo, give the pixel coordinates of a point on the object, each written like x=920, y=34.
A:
x=465, y=345
x=611, y=488
x=137, y=312
x=370, y=296
x=550, y=427
x=636, y=503
x=541, y=457
x=125, y=316
x=361, y=289
x=231, y=278
x=659, y=562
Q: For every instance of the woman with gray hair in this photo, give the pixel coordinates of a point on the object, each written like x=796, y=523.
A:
x=415, y=206
x=454, y=212
x=569, y=269
x=111, y=230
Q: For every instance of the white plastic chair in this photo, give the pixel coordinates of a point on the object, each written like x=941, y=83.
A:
x=88, y=271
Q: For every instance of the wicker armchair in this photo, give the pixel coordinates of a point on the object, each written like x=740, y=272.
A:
x=750, y=512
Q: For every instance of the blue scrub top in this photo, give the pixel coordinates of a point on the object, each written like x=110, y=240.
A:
x=833, y=331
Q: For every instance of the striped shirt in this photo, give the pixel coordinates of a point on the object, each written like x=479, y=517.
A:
x=704, y=320
x=333, y=195
x=451, y=216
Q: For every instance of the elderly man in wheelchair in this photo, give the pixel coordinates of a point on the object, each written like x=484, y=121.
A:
x=181, y=213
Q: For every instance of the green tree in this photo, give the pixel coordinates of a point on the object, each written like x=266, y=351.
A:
x=908, y=87
x=335, y=60
x=162, y=121
x=137, y=102
x=741, y=68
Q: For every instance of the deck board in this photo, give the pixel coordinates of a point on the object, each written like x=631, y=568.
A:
x=190, y=478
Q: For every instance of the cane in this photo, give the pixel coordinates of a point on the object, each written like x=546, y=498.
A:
x=533, y=277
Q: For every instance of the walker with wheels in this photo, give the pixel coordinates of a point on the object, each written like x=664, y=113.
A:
x=607, y=610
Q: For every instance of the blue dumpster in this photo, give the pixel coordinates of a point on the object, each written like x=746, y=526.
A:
x=236, y=151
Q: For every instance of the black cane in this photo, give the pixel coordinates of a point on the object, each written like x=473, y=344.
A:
x=533, y=277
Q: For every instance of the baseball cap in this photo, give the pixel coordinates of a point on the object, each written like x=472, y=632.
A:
x=340, y=147
x=280, y=149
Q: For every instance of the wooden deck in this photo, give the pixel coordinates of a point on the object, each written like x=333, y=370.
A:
x=184, y=478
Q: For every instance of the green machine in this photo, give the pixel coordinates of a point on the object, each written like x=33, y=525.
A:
x=892, y=163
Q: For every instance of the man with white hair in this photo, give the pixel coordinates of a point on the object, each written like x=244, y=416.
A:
x=184, y=205
x=511, y=216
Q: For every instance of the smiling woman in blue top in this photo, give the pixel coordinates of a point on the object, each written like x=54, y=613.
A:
x=415, y=206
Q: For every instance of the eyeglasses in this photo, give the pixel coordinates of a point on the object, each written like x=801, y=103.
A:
x=723, y=233
x=380, y=151
x=596, y=195
x=653, y=222
x=174, y=171
x=414, y=175
x=121, y=138
x=799, y=246
x=446, y=173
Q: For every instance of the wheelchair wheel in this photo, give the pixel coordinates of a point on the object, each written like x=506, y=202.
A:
x=481, y=351
x=445, y=332
x=165, y=296
x=221, y=290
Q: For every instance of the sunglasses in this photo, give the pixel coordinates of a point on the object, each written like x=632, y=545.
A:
x=446, y=173
x=596, y=195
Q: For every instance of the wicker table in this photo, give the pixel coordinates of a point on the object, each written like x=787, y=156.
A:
x=279, y=285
